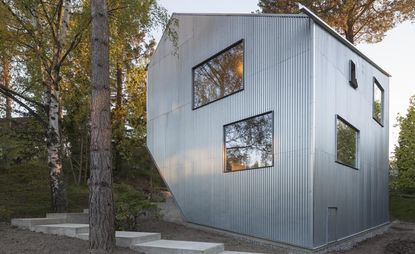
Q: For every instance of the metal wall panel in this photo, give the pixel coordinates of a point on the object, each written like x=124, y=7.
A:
x=361, y=196
x=273, y=203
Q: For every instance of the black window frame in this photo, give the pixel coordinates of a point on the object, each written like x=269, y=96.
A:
x=245, y=119
x=338, y=117
x=352, y=75
x=376, y=83
x=212, y=57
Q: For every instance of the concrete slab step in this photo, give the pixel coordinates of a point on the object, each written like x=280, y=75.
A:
x=76, y=218
x=178, y=247
x=86, y=210
x=128, y=238
x=30, y=223
x=238, y=252
x=66, y=229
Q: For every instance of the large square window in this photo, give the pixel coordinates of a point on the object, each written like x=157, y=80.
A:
x=219, y=76
x=347, y=139
x=378, y=99
x=249, y=143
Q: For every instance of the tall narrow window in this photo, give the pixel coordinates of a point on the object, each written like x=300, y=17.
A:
x=353, y=79
x=219, y=76
x=249, y=143
x=378, y=101
x=347, y=143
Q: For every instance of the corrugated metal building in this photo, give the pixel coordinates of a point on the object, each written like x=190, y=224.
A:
x=323, y=178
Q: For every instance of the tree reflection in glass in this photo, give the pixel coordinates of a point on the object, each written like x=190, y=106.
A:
x=249, y=143
x=218, y=77
x=346, y=144
x=377, y=102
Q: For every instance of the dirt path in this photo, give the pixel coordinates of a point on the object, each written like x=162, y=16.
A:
x=400, y=239
x=18, y=241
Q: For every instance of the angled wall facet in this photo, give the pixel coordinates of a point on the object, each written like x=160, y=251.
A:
x=360, y=195
x=273, y=203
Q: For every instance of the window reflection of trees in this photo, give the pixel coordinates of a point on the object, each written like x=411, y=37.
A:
x=377, y=103
x=346, y=144
x=249, y=143
x=219, y=76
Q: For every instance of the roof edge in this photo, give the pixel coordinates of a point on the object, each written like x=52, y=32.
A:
x=300, y=15
x=339, y=37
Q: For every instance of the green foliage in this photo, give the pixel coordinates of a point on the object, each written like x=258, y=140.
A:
x=25, y=192
x=21, y=139
x=405, y=151
x=130, y=204
x=402, y=207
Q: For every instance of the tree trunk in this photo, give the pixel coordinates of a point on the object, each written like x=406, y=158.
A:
x=118, y=119
x=52, y=103
x=101, y=205
x=6, y=82
x=349, y=33
x=119, y=87
x=53, y=136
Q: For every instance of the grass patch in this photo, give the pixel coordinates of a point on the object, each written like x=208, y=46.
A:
x=402, y=207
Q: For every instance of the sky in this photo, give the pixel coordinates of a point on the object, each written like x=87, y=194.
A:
x=395, y=54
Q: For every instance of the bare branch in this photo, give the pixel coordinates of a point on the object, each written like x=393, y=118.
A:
x=6, y=89
x=29, y=109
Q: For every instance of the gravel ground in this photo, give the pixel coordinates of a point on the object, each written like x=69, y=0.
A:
x=18, y=241
x=400, y=239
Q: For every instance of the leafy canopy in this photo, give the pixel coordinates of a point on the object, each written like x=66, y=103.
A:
x=358, y=20
x=405, y=150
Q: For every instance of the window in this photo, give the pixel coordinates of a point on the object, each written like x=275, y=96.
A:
x=347, y=143
x=249, y=143
x=219, y=76
x=353, y=79
x=377, y=102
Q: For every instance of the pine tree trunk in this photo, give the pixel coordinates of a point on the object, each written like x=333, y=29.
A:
x=101, y=205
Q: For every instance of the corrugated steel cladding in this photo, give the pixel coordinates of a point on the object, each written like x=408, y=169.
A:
x=273, y=203
x=361, y=196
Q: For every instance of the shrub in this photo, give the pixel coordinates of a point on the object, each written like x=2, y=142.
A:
x=130, y=205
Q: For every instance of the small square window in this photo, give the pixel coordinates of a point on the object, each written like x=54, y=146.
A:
x=347, y=139
x=353, y=78
x=378, y=102
x=249, y=143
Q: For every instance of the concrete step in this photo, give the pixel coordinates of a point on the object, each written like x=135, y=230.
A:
x=30, y=223
x=77, y=218
x=66, y=229
x=128, y=238
x=86, y=210
x=238, y=252
x=178, y=247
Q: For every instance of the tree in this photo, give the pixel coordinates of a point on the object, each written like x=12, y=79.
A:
x=101, y=207
x=42, y=30
x=405, y=150
x=359, y=21
x=130, y=48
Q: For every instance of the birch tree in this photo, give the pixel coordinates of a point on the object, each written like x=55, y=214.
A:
x=42, y=30
x=101, y=204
